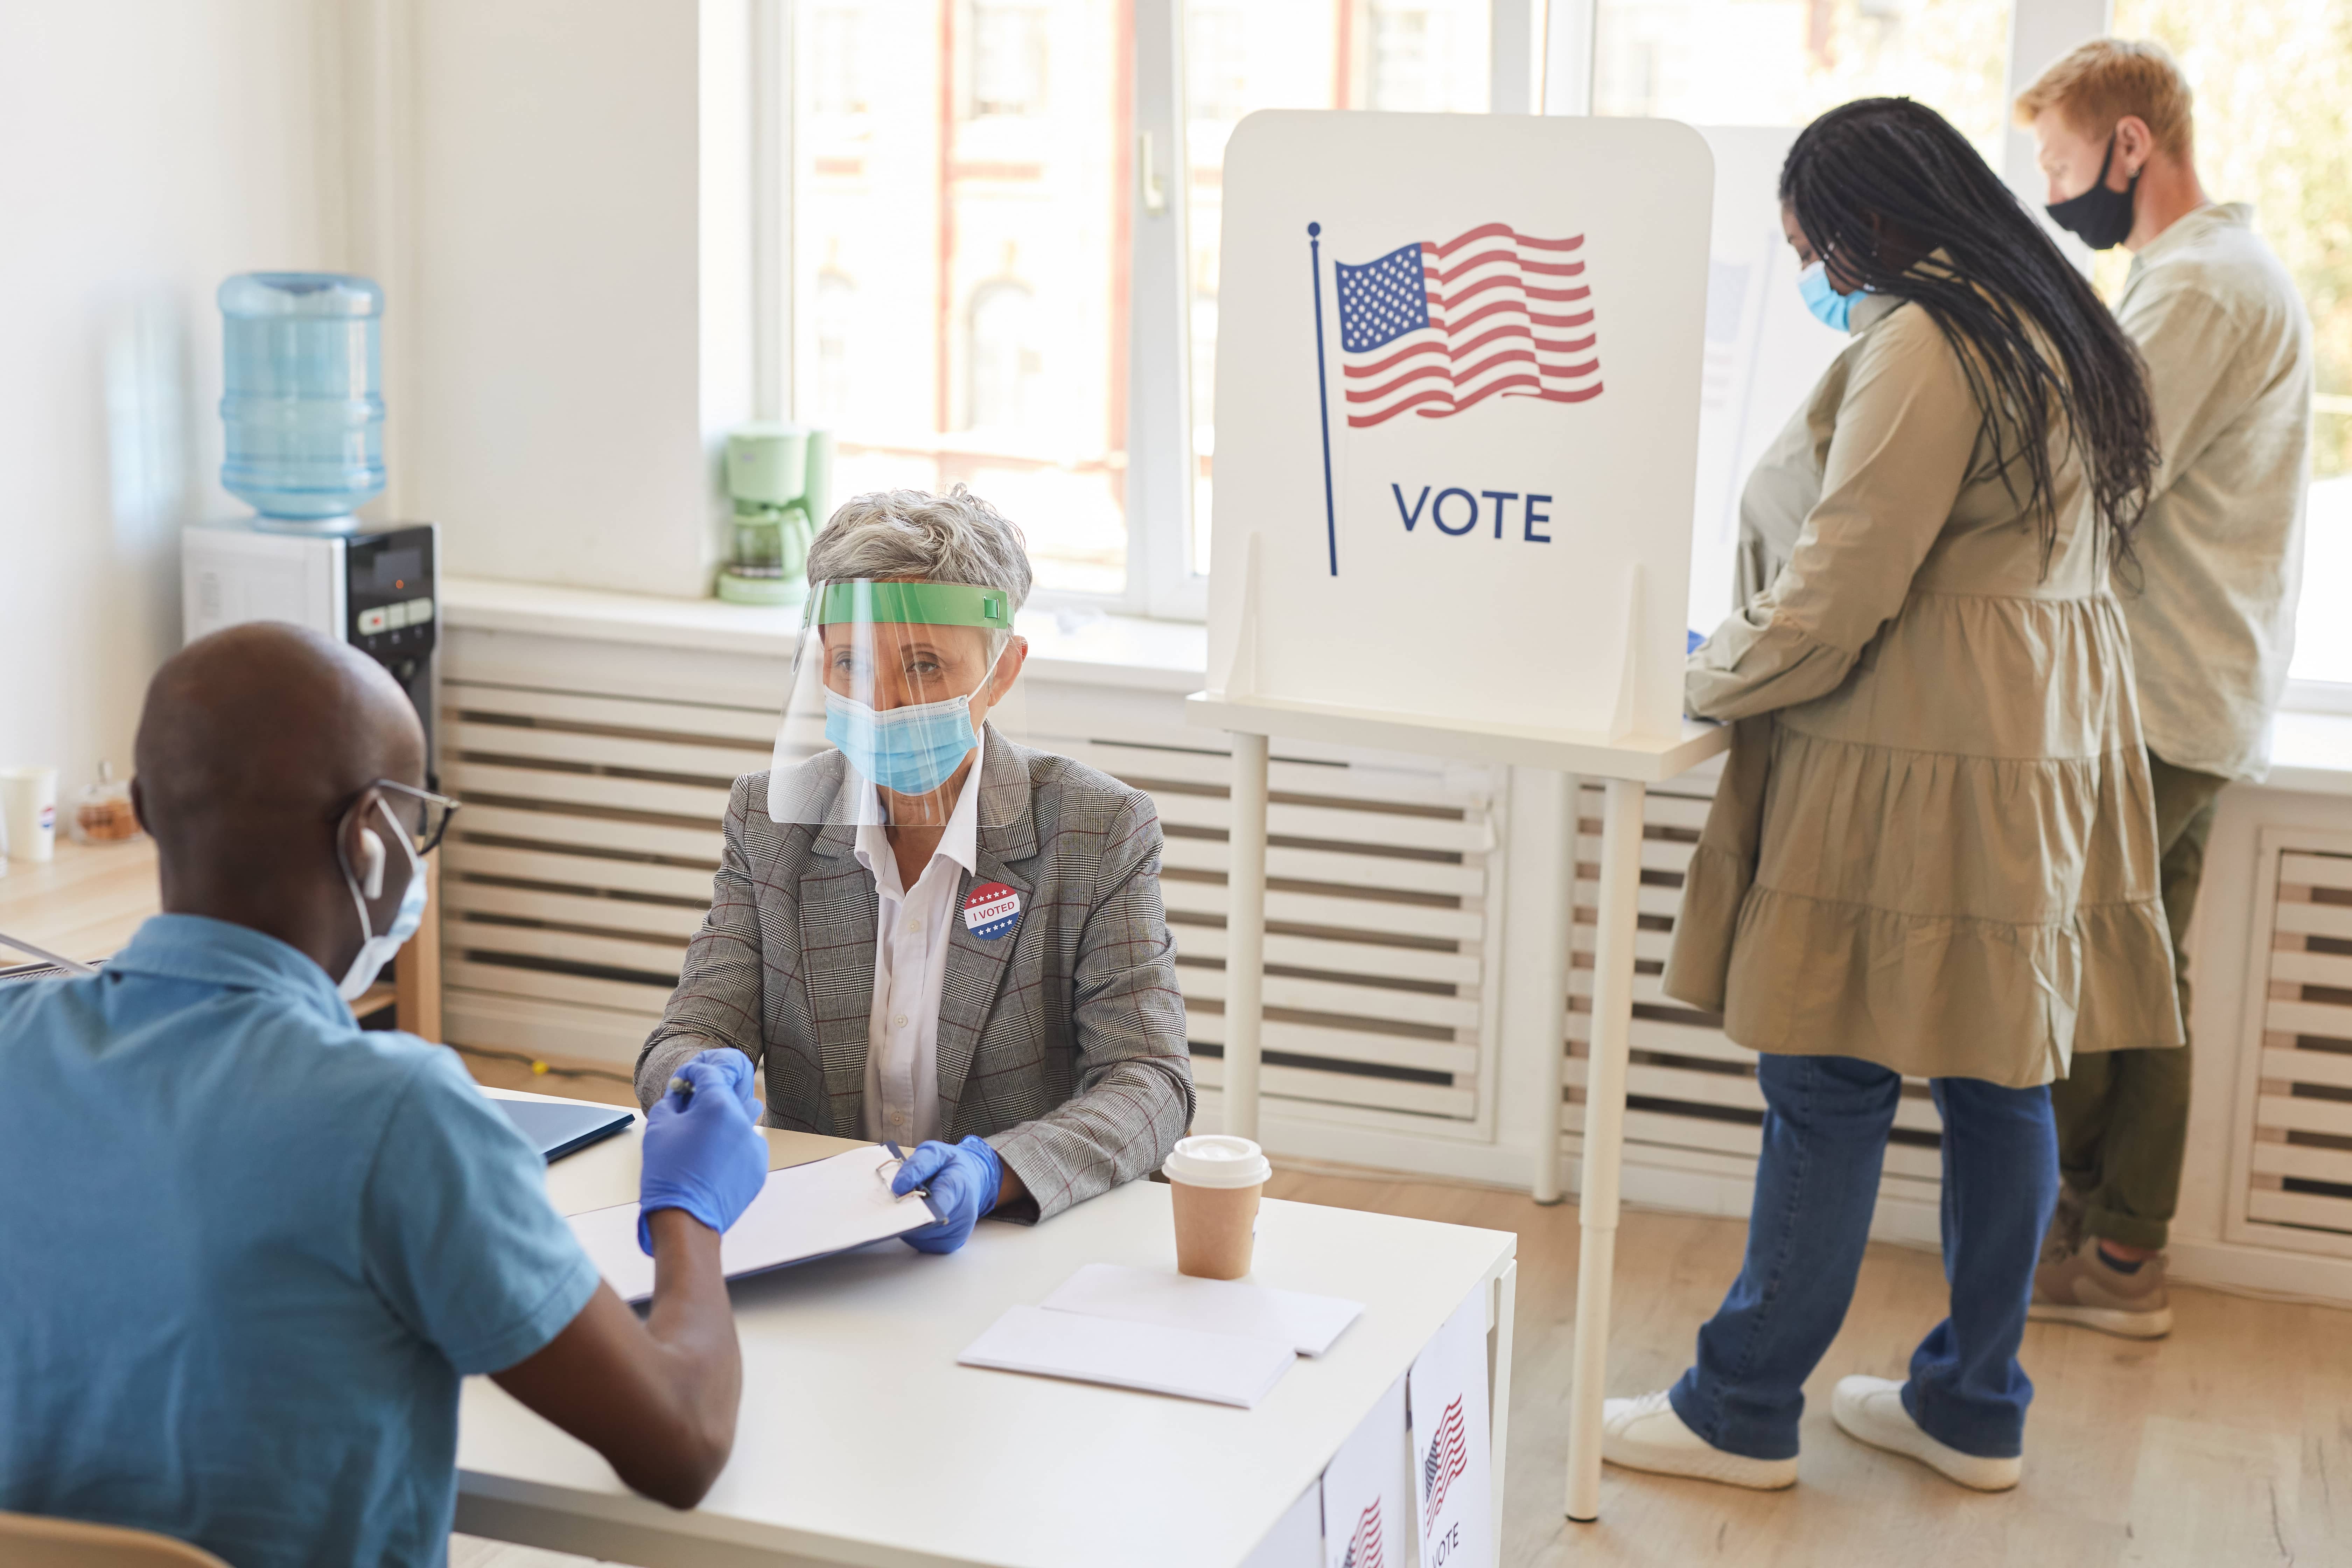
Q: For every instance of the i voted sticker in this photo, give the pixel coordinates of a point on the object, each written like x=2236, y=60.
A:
x=992, y=911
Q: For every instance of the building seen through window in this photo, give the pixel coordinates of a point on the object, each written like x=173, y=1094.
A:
x=1245, y=55
x=1007, y=60
x=977, y=165
x=1002, y=355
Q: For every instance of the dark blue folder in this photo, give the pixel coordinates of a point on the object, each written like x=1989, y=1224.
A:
x=559, y=1129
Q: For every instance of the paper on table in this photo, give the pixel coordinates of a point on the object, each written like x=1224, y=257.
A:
x=1306, y=1323
x=1223, y=1369
x=805, y=1211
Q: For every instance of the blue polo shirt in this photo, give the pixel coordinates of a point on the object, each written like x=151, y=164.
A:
x=246, y=1253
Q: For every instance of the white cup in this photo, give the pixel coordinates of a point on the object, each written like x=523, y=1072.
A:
x=1214, y=1182
x=28, y=811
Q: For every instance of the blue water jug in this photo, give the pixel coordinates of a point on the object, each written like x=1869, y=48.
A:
x=302, y=392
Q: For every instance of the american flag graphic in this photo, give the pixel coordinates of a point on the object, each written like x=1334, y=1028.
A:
x=1440, y=328
x=1364, y=1546
x=1449, y=1456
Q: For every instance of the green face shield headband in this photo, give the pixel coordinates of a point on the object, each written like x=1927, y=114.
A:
x=929, y=604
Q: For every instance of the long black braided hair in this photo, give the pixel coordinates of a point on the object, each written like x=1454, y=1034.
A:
x=1880, y=184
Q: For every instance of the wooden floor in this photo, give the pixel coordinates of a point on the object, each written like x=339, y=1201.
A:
x=2229, y=1443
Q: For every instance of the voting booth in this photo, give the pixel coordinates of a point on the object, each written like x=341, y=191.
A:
x=1459, y=367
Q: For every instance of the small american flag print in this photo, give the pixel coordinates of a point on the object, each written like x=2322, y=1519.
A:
x=1439, y=328
x=1364, y=1546
x=1449, y=1456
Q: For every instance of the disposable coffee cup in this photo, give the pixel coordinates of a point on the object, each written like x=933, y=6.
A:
x=28, y=805
x=1215, y=1181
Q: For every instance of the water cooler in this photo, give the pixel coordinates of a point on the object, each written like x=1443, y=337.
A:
x=374, y=589
x=302, y=410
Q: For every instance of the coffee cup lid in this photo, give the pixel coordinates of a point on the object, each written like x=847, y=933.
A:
x=1214, y=1160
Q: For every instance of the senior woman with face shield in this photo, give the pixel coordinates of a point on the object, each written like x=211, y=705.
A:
x=922, y=932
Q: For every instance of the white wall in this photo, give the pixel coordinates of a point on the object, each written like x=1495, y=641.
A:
x=148, y=149
x=560, y=410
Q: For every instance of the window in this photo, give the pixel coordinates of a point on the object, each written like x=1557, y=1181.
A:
x=923, y=232
x=1002, y=357
x=1781, y=62
x=835, y=88
x=836, y=308
x=2273, y=85
x=1008, y=59
x=1248, y=55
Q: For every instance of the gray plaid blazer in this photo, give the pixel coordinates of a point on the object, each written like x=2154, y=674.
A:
x=1063, y=1045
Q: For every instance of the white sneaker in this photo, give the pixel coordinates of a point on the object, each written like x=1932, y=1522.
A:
x=1645, y=1433
x=1870, y=1410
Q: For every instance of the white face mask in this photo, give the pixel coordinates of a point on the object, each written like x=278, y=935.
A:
x=376, y=950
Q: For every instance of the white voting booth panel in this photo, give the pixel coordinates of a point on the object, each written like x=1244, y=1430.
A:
x=1457, y=403
x=1461, y=462
x=1764, y=349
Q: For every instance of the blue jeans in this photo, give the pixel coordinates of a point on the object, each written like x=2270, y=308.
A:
x=1826, y=1129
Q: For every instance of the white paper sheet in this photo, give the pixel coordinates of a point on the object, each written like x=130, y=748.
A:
x=805, y=1211
x=1452, y=1442
x=1223, y=1369
x=1309, y=1324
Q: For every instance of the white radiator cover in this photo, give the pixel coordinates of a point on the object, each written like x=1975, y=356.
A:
x=2291, y=1166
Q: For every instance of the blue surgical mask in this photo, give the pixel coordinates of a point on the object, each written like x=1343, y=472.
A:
x=377, y=948
x=1829, y=307
x=908, y=750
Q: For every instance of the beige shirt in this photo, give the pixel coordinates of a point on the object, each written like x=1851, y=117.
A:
x=2227, y=346
x=1934, y=846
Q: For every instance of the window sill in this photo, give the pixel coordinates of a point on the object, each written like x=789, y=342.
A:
x=2312, y=752
x=1075, y=645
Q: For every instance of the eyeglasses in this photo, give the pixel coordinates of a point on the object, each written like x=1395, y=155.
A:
x=423, y=813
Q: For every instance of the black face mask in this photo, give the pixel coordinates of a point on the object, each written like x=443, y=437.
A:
x=2102, y=217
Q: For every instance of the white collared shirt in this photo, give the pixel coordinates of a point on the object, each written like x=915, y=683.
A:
x=911, y=932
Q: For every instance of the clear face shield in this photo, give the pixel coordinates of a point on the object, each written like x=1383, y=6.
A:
x=894, y=684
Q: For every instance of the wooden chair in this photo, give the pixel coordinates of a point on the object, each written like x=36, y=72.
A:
x=27, y=1541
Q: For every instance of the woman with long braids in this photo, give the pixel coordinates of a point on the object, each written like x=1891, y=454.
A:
x=1934, y=848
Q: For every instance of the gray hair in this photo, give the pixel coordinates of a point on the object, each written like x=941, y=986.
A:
x=953, y=538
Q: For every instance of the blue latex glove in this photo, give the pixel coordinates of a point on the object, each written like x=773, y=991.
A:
x=703, y=1154
x=739, y=1073
x=1696, y=638
x=964, y=1179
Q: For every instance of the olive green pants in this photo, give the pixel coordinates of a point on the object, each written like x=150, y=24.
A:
x=2123, y=1116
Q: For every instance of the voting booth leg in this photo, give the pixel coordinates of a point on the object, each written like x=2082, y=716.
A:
x=1244, y=934
x=1549, y=978
x=1605, y=1136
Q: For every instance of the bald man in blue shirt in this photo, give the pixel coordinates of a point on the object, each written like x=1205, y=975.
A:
x=247, y=1250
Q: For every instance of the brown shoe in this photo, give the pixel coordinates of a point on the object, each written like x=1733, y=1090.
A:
x=2086, y=1290
x=2066, y=1232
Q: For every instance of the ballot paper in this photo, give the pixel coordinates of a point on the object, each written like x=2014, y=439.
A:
x=1223, y=1369
x=805, y=1211
x=1306, y=1323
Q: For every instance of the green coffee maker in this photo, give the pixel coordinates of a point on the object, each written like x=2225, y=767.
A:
x=778, y=475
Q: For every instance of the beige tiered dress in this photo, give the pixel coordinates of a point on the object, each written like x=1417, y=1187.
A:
x=1934, y=846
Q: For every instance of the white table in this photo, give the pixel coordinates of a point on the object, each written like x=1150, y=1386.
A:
x=1626, y=765
x=861, y=1441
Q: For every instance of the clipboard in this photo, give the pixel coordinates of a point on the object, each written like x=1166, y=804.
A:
x=804, y=1213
